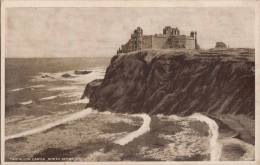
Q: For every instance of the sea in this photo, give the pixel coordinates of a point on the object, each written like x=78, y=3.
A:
x=46, y=120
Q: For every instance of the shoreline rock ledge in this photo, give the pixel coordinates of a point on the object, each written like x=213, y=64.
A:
x=182, y=82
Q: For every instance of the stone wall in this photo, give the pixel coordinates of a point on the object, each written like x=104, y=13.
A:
x=159, y=42
x=190, y=43
x=147, y=42
x=177, y=41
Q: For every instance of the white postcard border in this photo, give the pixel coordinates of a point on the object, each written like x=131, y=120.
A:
x=145, y=3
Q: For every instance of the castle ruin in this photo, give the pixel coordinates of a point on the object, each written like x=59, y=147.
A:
x=171, y=38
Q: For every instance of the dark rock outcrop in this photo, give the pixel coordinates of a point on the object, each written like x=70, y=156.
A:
x=91, y=88
x=66, y=75
x=220, y=45
x=178, y=82
x=78, y=72
x=46, y=76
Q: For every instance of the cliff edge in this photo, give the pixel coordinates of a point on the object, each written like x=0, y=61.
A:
x=182, y=82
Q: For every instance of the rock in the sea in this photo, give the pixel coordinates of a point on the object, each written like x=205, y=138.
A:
x=221, y=45
x=81, y=72
x=178, y=82
x=46, y=76
x=66, y=75
x=91, y=88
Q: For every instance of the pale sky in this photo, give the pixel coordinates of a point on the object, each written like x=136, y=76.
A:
x=99, y=32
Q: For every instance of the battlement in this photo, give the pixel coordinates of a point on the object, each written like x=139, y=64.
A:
x=170, y=38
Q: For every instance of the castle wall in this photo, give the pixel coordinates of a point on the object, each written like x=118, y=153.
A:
x=170, y=38
x=147, y=42
x=128, y=46
x=178, y=41
x=159, y=42
x=190, y=43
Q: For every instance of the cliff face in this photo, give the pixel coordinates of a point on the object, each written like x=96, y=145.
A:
x=178, y=82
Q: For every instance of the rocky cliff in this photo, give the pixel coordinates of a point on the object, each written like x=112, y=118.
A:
x=178, y=82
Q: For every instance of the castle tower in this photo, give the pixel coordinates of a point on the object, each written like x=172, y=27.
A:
x=167, y=30
x=193, y=34
x=139, y=32
x=175, y=31
x=138, y=38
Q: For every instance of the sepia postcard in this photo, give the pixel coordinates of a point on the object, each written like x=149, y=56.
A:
x=130, y=82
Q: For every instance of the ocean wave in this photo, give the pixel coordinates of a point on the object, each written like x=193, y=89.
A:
x=64, y=88
x=215, y=146
x=26, y=102
x=142, y=130
x=72, y=94
x=95, y=73
x=29, y=87
x=48, y=98
x=16, y=89
x=84, y=79
x=81, y=101
x=39, y=129
x=37, y=86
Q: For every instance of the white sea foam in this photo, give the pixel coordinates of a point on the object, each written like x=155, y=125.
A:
x=39, y=129
x=72, y=94
x=26, y=102
x=19, y=89
x=84, y=79
x=96, y=73
x=37, y=86
x=16, y=89
x=142, y=130
x=48, y=98
x=215, y=146
x=85, y=101
x=63, y=88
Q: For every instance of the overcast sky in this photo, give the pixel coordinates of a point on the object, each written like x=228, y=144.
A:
x=88, y=32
